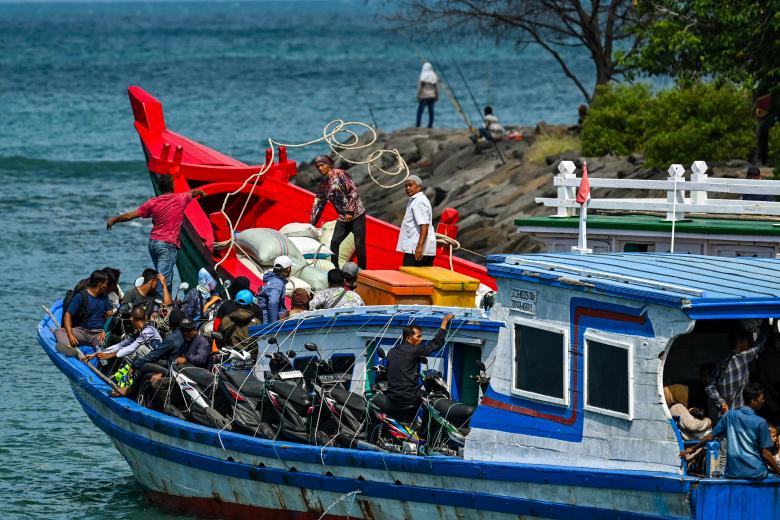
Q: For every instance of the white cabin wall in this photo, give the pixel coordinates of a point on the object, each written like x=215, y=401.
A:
x=647, y=442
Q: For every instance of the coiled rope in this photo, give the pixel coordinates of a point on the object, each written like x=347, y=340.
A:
x=340, y=136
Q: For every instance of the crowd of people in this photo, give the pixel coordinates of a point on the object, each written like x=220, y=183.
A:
x=723, y=403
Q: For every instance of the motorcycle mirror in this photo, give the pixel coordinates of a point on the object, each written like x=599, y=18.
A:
x=311, y=347
x=226, y=284
x=424, y=360
x=184, y=286
x=381, y=353
x=269, y=356
x=272, y=340
x=290, y=354
x=480, y=365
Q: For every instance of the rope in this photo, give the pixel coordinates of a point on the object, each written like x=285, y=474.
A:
x=330, y=136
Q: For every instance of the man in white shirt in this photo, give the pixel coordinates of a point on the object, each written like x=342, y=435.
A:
x=417, y=239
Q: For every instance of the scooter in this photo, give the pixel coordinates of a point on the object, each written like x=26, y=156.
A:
x=285, y=406
x=337, y=413
x=383, y=430
x=444, y=421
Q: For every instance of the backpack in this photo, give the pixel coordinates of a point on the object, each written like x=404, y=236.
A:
x=235, y=327
x=81, y=315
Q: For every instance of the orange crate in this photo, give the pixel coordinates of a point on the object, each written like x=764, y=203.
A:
x=385, y=287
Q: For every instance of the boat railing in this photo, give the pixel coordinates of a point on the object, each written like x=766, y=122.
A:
x=682, y=195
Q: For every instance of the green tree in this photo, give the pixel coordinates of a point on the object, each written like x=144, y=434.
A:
x=736, y=40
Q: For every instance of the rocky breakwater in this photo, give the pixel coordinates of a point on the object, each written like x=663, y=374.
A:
x=488, y=195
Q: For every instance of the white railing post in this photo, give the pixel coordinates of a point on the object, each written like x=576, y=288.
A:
x=566, y=193
x=675, y=196
x=699, y=169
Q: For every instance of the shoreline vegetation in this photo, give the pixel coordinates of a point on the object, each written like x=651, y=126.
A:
x=488, y=195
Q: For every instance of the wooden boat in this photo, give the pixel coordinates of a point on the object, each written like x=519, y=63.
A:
x=573, y=424
x=273, y=201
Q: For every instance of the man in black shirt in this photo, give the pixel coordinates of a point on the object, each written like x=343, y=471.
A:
x=403, y=369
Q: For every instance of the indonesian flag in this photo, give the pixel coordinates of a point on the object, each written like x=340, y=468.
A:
x=583, y=192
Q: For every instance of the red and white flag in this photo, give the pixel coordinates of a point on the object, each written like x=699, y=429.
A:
x=583, y=192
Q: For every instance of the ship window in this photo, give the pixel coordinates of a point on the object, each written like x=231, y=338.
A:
x=608, y=377
x=541, y=362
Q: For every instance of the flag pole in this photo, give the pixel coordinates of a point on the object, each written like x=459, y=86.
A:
x=583, y=197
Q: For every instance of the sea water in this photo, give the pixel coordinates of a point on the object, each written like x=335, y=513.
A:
x=230, y=75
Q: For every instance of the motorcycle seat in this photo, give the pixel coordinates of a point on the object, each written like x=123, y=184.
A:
x=202, y=377
x=353, y=401
x=292, y=393
x=245, y=382
x=382, y=402
x=456, y=413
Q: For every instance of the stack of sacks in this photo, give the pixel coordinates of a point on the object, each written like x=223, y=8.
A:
x=307, y=239
x=347, y=248
x=263, y=245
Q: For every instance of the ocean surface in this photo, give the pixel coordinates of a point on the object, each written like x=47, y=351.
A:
x=229, y=74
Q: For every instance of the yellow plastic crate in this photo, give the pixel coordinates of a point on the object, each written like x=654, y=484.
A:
x=450, y=289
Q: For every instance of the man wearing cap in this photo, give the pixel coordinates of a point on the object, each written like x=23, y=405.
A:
x=350, y=271
x=753, y=173
x=339, y=188
x=271, y=295
x=417, y=240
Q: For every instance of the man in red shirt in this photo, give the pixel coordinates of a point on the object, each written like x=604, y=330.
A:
x=167, y=214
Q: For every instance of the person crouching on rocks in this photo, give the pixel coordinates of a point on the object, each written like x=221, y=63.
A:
x=339, y=188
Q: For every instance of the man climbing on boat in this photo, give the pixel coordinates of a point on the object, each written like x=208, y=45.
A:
x=339, y=188
x=403, y=369
x=731, y=374
x=167, y=214
x=142, y=294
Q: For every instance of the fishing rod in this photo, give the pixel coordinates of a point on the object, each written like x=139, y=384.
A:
x=476, y=105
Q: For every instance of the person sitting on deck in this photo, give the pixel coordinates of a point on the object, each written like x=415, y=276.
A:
x=197, y=302
x=350, y=271
x=747, y=437
x=114, y=292
x=234, y=326
x=241, y=283
x=691, y=421
x=145, y=336
x=731, y=373
x=147, y=291
x=754, y=173
x=85, y=317
x=271, y=295
x=335, y=296
x=300, y=300
x=403, y=369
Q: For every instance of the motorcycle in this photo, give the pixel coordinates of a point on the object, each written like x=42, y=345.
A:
x=337, y=413
x=285, y=406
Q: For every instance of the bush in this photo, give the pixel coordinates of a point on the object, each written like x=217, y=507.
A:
x=551, y=144
x=616, y=121
x=774, y=149
x=698, y=121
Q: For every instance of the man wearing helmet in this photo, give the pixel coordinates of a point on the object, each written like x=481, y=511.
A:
x=242, y=313
x=271, y=295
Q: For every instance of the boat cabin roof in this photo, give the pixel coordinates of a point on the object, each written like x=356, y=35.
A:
x=705, y=287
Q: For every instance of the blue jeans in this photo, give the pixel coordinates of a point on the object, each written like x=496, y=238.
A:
x=421, y=107
x=164, y=259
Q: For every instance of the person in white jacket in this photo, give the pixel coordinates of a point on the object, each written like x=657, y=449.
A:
x=692, y=425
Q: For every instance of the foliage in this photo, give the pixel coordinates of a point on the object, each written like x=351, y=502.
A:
x=616, y=121
x=547, y=145
x=693, y=121
x=602, y=30
x=734, y=40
